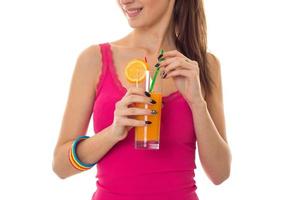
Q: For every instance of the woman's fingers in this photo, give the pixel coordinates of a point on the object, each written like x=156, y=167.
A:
x=125, y=113
x=137, y=99
x=135, y=90
x=173, y=53
x=135, y=111
x=181, y=60
x=175, y=63
x=179, y=72
x=123, y=121
x=135, y=95
x=127, y=100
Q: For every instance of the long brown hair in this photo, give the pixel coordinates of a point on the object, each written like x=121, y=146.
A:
x=189, y=25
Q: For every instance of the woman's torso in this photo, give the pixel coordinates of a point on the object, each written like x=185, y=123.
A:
x=126, y=173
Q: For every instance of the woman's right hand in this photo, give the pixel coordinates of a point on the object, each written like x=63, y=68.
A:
x=125, y=112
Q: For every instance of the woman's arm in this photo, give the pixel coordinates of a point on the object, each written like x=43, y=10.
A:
x=77, y=115
x=209, y=123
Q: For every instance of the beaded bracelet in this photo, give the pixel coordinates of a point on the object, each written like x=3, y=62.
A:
x=73, y=158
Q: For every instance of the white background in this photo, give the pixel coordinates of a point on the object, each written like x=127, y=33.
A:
x=257, y=43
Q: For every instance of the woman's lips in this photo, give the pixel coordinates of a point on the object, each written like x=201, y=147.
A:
x=133, y=12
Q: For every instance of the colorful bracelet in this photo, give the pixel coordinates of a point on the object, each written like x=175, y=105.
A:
x=73, y=158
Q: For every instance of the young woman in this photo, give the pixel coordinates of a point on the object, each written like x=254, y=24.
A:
x=193, y=108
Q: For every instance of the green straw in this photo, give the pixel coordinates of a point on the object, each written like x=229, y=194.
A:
x=156, y=72
x=154, y=79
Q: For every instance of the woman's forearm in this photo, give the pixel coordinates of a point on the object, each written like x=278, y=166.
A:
x=213, y=150
x=88, y=151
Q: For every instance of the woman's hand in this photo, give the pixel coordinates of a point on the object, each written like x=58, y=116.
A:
x=185, y=73
x=125, y=112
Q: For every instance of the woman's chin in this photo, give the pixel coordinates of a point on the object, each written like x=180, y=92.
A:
x=136, y=25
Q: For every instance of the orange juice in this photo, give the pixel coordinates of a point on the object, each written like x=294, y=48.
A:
x=147, y=137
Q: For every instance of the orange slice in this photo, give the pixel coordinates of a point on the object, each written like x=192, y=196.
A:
x=135, y=70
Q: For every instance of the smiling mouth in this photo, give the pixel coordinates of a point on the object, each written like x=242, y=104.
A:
x=133, y=12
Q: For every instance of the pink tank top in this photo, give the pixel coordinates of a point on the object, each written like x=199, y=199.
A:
x=128, y=174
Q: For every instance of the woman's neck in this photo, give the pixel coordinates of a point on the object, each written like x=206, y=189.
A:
x=154, y=38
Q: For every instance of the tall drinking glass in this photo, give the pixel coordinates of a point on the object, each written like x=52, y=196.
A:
x=148, y=136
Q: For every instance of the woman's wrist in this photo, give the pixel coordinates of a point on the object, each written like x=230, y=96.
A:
x=111, y=136
x=199, y=106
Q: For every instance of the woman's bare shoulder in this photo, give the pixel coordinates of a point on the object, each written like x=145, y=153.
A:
x=213, y=61
x=89, y=62
x=214, y=67
x=90, y=57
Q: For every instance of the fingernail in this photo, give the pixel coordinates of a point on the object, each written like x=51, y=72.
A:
x=148, y=122
x=147, y=94
x=164, y=75
x=157, y=65
x=153, y=101
x=159, y=57
x=153, y=112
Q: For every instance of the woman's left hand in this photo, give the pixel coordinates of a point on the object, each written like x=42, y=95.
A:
x=185, y=73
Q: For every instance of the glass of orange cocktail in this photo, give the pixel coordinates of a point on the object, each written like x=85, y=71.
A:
x=148, y=136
